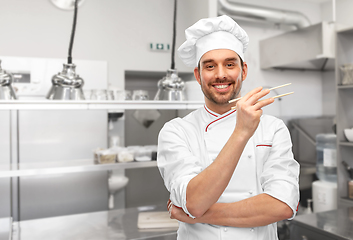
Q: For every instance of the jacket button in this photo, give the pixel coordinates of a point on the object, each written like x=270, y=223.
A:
x=252, y=229
x=251, y=192
x=225, y=229
x=249, y=156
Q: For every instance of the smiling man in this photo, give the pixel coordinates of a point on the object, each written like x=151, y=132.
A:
x=223, y=72
x=230, y=173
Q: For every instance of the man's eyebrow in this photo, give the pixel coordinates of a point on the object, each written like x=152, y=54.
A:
x=231, y=59
x=207, y=61
x=226, y=60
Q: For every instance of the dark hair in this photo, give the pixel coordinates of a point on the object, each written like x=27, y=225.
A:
x=241, y=62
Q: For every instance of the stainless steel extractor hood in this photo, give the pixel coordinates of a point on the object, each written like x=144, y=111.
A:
x=246, y=12
x=309, y=48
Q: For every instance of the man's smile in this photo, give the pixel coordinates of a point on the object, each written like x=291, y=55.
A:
x=222, y=87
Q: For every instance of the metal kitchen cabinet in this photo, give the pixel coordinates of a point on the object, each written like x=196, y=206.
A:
x=344, y=117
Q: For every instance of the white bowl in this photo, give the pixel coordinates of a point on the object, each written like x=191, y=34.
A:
x=349, y=134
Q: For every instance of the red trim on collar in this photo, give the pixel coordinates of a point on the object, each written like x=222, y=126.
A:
x=263, y=145
x=209, y=111
x=219, y=119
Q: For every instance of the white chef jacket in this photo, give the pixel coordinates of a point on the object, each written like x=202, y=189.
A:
x=186, y=146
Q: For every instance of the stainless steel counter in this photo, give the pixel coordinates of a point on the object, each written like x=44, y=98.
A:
x=335, y=224
x=117, y=224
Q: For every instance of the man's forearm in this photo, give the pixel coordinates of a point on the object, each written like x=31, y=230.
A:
x=256, y=211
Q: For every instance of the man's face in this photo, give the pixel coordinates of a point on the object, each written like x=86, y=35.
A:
x=220, y=75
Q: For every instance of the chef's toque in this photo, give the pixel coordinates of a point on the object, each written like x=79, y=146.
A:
x=212, y=33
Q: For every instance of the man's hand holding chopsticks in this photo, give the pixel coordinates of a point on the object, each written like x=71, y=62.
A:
x=249, y=111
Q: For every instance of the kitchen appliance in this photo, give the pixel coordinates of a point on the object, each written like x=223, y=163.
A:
x=67, y=85
x=6, y=90
x=303, y=133
x=252, y=13
x=316, y=44
x=171, y=87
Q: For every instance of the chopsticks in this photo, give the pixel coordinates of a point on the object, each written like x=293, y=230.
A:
x=278, y=96
x=234, y=100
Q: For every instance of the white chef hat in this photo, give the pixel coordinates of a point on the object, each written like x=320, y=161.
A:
x=212, y=33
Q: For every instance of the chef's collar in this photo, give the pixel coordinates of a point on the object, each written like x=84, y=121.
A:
x=214, y=114
x=215, y=117
x=210, y=112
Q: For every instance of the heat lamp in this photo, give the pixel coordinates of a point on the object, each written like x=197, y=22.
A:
x=171, y=87
x=67, y=85
x=6, y=90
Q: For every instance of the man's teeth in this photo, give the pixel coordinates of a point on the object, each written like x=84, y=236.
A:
x=221, y=86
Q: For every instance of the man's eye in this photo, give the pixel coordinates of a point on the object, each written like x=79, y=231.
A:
x=230, y=64
x=209, y=66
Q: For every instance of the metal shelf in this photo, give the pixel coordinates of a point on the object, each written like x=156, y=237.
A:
x=344, y=114
x=74, y=166
x=32, y=169
x=350, y=86
x=344, y=29
x=96, y=105
x=345, y=201
x=348, y=144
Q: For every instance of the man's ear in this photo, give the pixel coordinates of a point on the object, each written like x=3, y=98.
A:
x=245, y=71
x=197, y=75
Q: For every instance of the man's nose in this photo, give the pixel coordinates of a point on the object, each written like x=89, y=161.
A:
x=221, y=73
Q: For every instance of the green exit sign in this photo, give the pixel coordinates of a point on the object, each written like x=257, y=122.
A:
x=159, y=46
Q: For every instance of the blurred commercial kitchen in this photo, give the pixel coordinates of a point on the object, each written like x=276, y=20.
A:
x=82, y=166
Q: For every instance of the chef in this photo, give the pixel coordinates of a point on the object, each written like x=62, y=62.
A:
x=230, y=173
